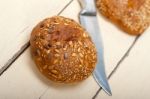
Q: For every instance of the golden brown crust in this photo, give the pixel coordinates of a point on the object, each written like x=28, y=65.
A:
x=133, y=16
x=63, y=50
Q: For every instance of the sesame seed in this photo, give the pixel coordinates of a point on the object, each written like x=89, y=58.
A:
x=70, y=42
x=56, y=50
x=57, y=55
x=74, y=54
x=45, y=67
x=81, y=55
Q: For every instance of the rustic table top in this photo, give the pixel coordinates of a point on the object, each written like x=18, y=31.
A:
x=127, y=57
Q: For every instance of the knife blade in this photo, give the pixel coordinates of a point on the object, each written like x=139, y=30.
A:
x=88, y=19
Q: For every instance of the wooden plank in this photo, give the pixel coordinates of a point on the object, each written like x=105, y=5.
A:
x=17, y=18
x=22, y=81
x=17, y=82
x=84, y=90
x=131, y=81
x=116, y=44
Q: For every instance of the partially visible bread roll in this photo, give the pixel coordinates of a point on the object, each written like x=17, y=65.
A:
x=133, y=16
x=62, y=50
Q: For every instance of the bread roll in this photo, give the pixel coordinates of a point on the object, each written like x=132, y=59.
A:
x=133, y=16
x=62, y=50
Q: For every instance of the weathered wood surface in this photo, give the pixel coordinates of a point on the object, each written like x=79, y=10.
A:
x=129, y=74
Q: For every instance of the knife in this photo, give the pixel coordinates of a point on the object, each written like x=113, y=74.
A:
x=88, y=20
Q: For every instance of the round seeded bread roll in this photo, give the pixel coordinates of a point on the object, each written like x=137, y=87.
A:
x=62, y=50
x=133, y=16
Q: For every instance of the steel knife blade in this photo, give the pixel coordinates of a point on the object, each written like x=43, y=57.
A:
x=88, y=19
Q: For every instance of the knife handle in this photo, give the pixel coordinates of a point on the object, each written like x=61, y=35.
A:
x=88, y=7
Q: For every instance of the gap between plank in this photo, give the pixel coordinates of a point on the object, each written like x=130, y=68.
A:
x=23, y=48
x=14, y=58
x=40, y=97
x=118, y=64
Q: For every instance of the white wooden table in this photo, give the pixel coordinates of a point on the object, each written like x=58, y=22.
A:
x=127, y=57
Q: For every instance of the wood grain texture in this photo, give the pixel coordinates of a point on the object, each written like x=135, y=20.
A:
x=131, y=80
x=22, y=81
x=17, y=19
x=116, y=43
x=24, y=78
x=83, y=90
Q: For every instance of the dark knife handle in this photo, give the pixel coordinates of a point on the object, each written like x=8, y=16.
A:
x=88, y=7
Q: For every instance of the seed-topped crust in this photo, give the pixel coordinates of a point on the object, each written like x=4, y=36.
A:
x=63, y=51
x=133, y=16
